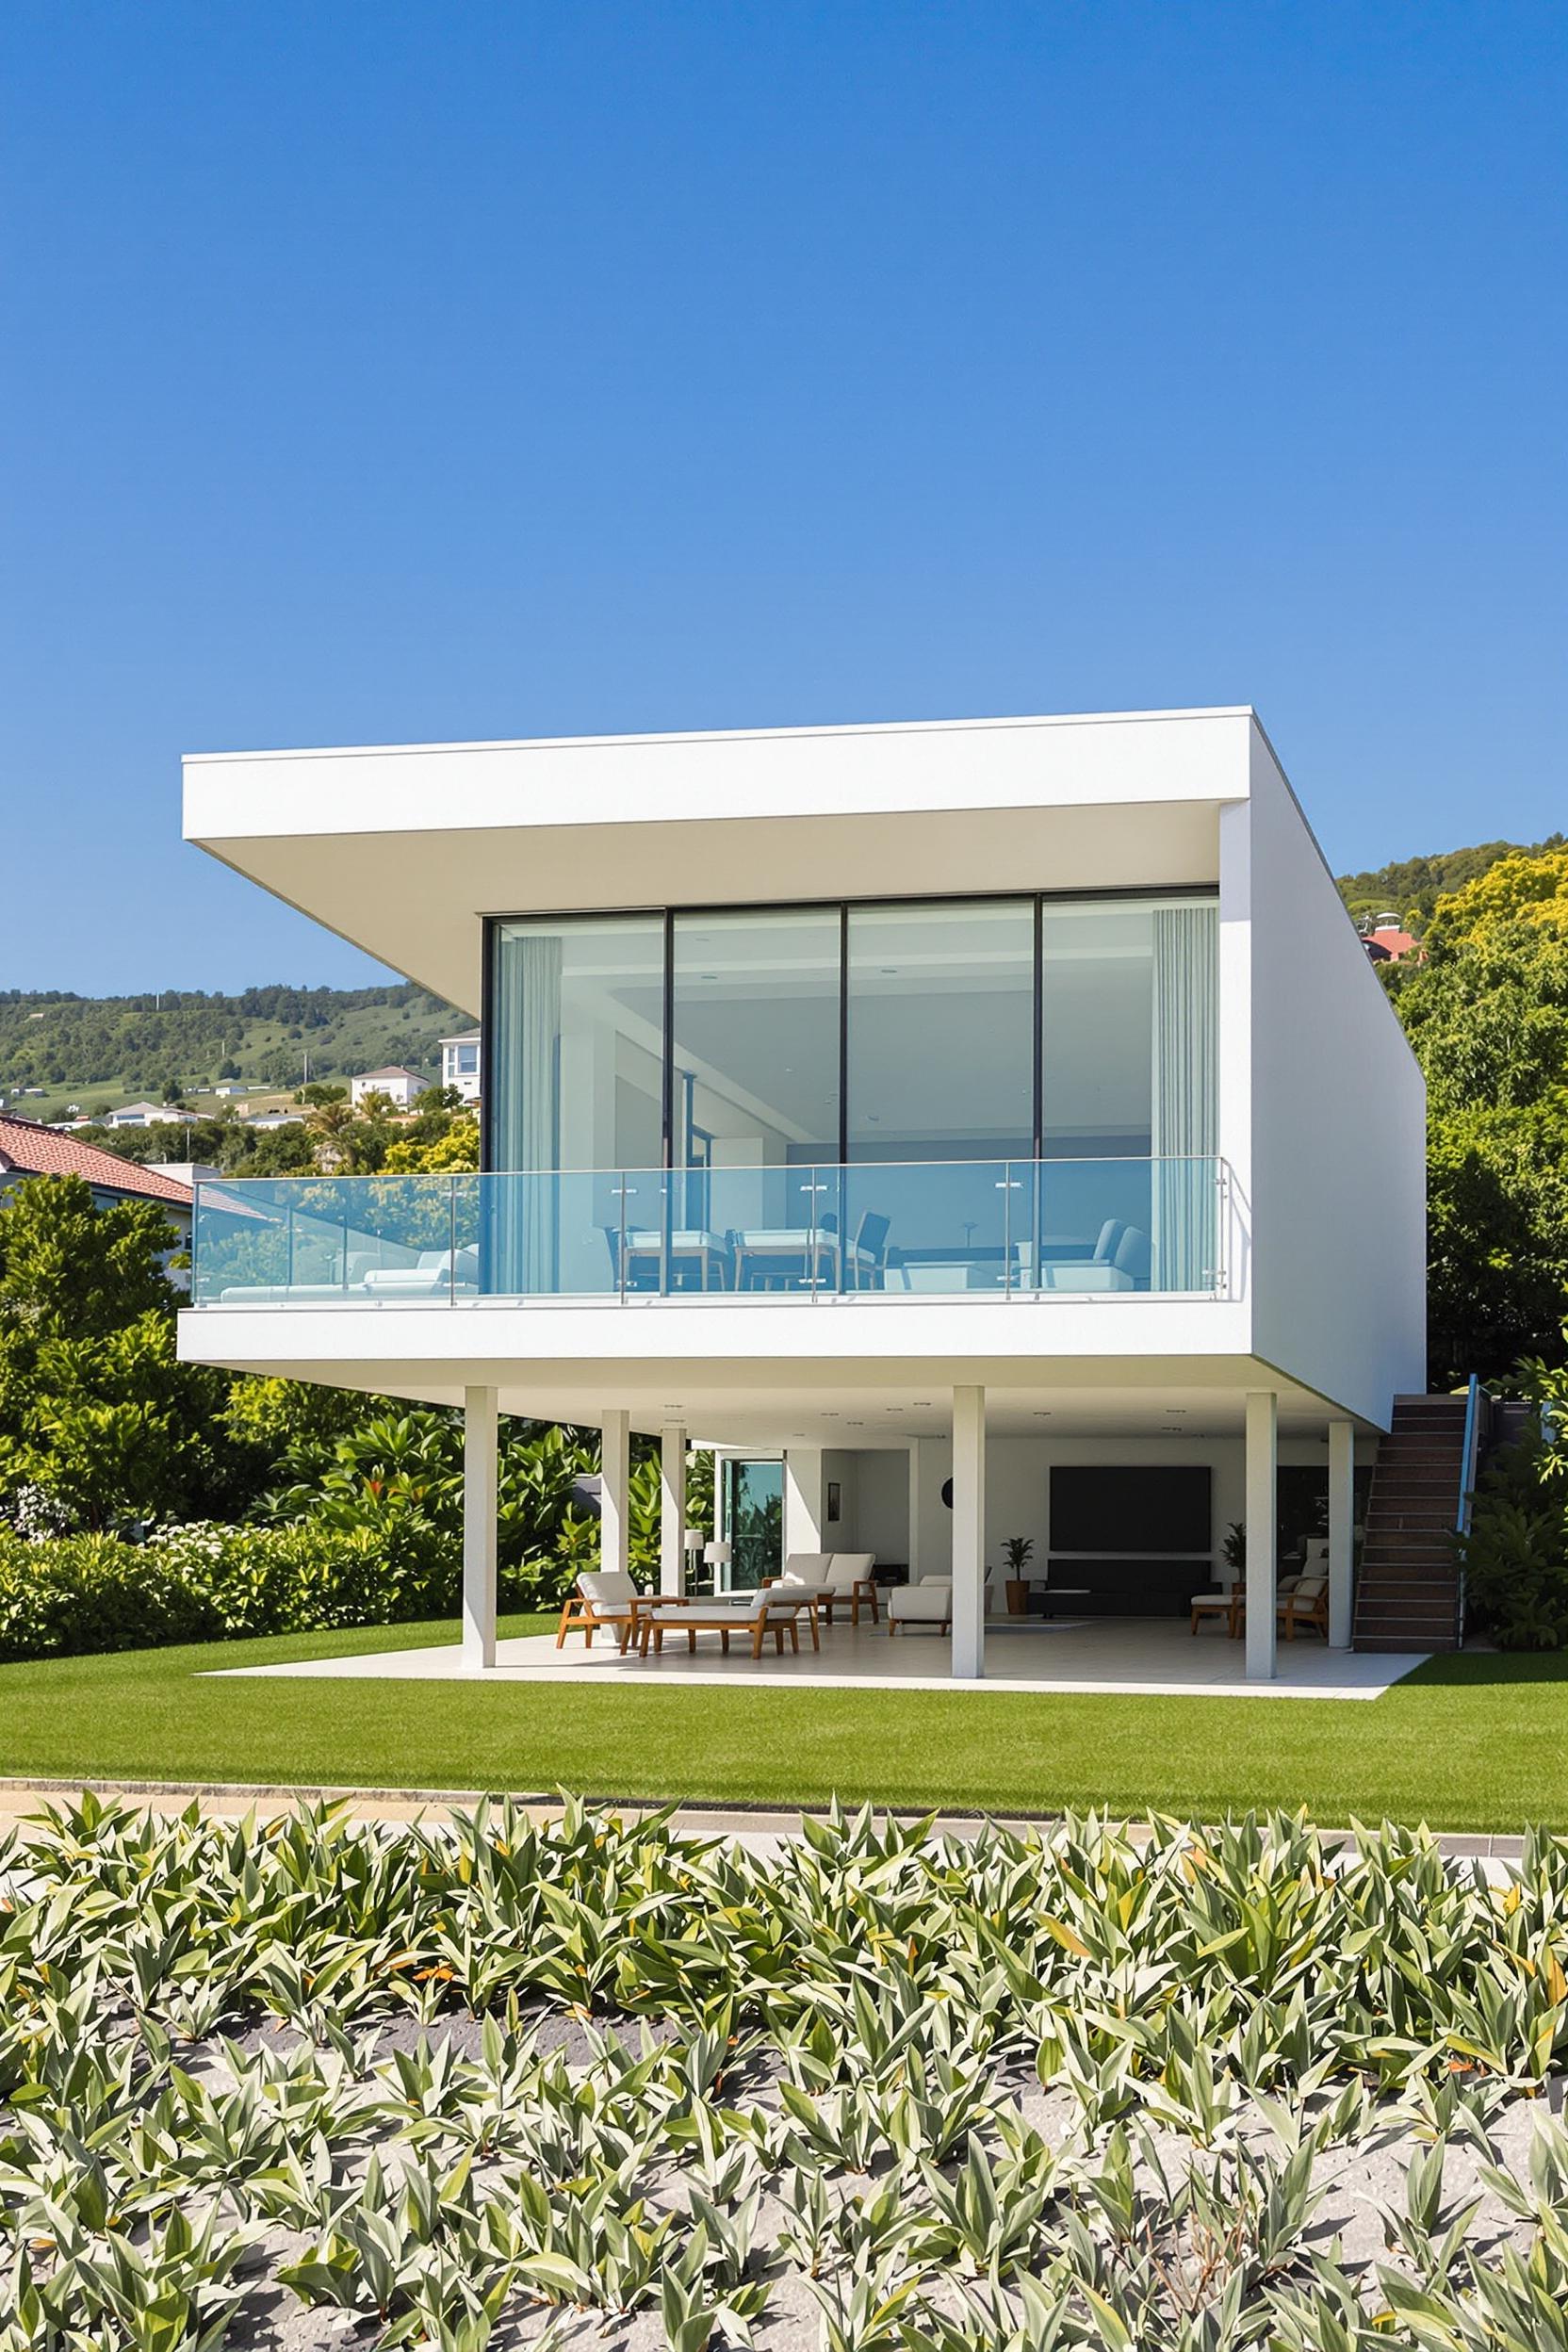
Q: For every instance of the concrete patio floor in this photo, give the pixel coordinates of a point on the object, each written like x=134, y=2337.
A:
x=1113, y=1655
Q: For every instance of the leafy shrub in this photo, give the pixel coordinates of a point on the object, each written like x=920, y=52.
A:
x=80, y=1594
x=87, y=1592
x=1515, y=1557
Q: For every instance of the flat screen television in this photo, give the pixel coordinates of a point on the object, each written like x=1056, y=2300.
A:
x=1130, y=1512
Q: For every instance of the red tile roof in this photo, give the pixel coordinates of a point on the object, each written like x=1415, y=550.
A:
x=29, y=1150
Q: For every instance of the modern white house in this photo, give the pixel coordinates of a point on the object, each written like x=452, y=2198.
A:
x=145, y=1115
x=969, y=1130
x=461, y=1064
x=399, y=1083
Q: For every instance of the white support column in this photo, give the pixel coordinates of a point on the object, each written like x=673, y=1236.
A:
x=913, y=1545
x=805, y=1500
x=672, y=1509
x=615, y=1492
x=1263, y=1445
x=1342, y=1527
x=968, y=1533
x=480, y=1445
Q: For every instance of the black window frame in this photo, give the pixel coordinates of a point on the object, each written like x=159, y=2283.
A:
x=492, y=923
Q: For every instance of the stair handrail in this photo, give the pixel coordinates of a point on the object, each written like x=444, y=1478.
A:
x=1469, y=1462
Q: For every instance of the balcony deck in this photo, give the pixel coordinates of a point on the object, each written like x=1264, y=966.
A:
x=913, y=1229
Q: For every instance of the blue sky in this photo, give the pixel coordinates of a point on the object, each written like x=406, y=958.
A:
x=401, y=372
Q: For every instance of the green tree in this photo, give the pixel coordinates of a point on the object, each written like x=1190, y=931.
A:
x=96, y=1414
x=1487, y=1015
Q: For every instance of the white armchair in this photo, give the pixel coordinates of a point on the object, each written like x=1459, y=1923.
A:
x=929, y=1602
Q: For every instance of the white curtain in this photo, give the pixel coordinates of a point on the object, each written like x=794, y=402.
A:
x=1185, y=1123
x=527, y=1129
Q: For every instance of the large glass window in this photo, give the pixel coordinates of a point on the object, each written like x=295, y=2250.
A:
x=941, y=1016
x=1128, y=1018
x=754, y=1081
x=941, y=1031
x=678, y=1119
x=578, y=1008
x=579, y=1017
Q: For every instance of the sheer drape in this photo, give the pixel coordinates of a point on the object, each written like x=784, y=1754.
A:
x=525, y=1131
x=1184, y=1123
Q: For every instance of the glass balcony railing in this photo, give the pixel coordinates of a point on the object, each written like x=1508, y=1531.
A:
x=1000, y=1228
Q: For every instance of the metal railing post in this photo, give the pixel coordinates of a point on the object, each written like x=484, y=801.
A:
x=1469, y=1457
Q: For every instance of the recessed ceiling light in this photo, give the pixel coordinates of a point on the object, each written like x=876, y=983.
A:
x=1040, y=1416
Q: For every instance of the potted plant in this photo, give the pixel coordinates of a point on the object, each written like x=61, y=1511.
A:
x=1018, y=1551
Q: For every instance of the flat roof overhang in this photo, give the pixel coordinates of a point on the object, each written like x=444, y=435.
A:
x=402, y=849
x=864, y=1399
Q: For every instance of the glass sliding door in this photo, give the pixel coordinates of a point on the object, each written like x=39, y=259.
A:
x=753, y=1521
x=755, y=1079
x=576, y=1062
x=940, y=1072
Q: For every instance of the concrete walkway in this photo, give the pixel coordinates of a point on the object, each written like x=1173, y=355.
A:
x=759, y=1829
x=1116, y=1656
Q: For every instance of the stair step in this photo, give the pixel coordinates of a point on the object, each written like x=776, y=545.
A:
x=1383, y=1645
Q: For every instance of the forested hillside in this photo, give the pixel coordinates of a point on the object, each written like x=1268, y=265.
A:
x=100, y=1051
x=1411, y=886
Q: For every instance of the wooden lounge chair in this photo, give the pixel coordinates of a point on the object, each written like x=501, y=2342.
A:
x=1306, y=1604
x=755, y=1615
x=1231, y=1605
x=603, y=1597
x=849, y=1584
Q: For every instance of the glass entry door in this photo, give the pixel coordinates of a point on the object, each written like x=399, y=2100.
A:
x=753, y=1493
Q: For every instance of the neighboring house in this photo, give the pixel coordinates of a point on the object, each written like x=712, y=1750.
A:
x=268, y=1121
x=188, y=1172
x=29, y=1150
x=966, y=1130
x=146, y=1115
x=1387, y=942
x=400, y=1086
x=459, y=1064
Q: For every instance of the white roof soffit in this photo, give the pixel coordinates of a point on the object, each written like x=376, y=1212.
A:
x=400, y=849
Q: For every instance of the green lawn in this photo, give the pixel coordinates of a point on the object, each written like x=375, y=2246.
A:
x=1471, y=1742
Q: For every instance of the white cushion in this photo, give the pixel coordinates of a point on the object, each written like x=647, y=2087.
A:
x=1308, y=1588
x=847, y=1570
x=807, y=1567
x=606, y=1588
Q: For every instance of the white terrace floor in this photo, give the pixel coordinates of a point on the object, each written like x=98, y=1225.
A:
x=1085, y=1655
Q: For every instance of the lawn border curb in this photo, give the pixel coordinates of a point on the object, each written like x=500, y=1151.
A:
x=693, y=1816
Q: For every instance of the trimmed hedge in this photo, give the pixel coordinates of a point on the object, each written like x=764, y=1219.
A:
x=71, y=1595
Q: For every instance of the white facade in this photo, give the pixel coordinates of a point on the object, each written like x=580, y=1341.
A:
x=145, y=1115
x=398, y=1085
x=1316, y=1302
x=462, y=1064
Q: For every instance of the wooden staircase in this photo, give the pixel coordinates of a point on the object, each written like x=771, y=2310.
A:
x=1406, y=1591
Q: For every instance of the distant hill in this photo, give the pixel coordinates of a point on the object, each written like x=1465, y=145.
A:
x=1412, y=886
x=104, y=1050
